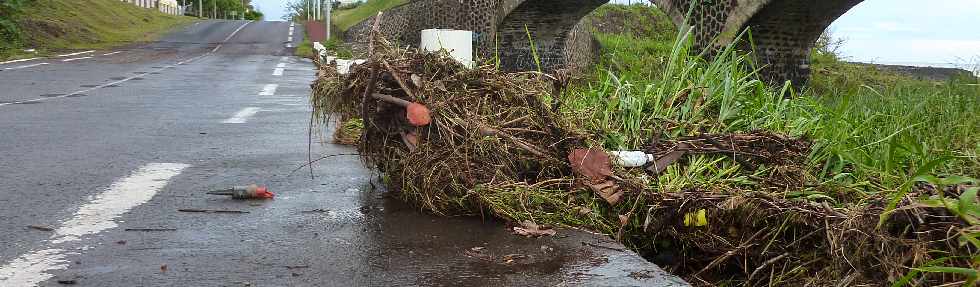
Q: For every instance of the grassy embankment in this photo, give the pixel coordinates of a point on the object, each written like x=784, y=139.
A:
x=876, y=135
x=52, y=26
x=342, y=20
x=346, y=18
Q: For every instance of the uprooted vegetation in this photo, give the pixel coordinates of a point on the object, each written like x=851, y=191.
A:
x=749, y=186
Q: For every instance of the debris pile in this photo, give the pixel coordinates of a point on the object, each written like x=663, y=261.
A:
x=469, y=141
x=430, y=122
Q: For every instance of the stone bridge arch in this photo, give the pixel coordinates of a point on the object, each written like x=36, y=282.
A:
x=553, y=27
x=560, y=38
x=783, y=31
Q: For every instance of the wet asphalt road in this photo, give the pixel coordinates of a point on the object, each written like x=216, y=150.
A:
x=105, y=150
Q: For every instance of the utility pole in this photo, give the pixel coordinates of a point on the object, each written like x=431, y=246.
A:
x=200, y=8
x=326, y=20
x=214, y=9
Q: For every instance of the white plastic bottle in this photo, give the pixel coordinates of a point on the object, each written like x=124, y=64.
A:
x=630, y=158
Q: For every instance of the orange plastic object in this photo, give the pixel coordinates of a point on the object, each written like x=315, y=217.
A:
x=263, y=192
x=418, y=115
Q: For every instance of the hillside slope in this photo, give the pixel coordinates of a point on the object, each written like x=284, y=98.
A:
x=346, y=18
x=58, y=25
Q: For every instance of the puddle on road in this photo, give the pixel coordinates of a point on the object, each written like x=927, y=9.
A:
x=431, y=250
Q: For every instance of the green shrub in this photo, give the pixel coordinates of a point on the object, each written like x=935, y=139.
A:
x=9, y=33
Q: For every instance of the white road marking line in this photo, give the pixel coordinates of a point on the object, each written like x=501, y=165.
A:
x=277, y=72
x=281, y=65
x=242, y=116
x=290, y=45
x=18, y=61
x=269, y=90
x=75, y=54
x=231, y=35
x=28, y=66
x=113, y=53
x=283, y=59
x=93, y=217
x=75, y=59
x=100, y=86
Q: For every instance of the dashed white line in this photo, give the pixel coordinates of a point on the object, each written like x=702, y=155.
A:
x=75, y=54
x=75, y=59
x=18, y=61
x=113, y=53
x=290, y=45
x=97, y=215
x=242, y=116
x=278, y=72
x=281, y=65
x=269, y=90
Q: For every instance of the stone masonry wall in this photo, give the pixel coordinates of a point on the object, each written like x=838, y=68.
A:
x=783, y=31
x=501, y=29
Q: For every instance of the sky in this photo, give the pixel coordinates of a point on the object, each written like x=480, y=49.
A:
x=275, y=9
x=914, y=32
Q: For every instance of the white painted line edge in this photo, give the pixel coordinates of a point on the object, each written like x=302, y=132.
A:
x=230, y=35
x=113, y=53
x=242, y=116
x=75, y=59
x=281, y=65
x=18, y=61
x=93, y=217
x=99, y=86
x=29, y=66
x=75, y=54
x=277, y=72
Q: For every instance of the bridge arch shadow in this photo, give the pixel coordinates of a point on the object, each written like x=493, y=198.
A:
x=548, y=24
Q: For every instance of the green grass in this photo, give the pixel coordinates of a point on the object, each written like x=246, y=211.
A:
x=58, y=25
x=875, y=133
x=305, y=49
x=876, y=126
x=344, y=19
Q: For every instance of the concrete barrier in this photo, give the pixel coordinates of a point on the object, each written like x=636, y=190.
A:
x=342, y=65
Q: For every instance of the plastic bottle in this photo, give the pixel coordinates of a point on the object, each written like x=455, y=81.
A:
x=630, y=158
